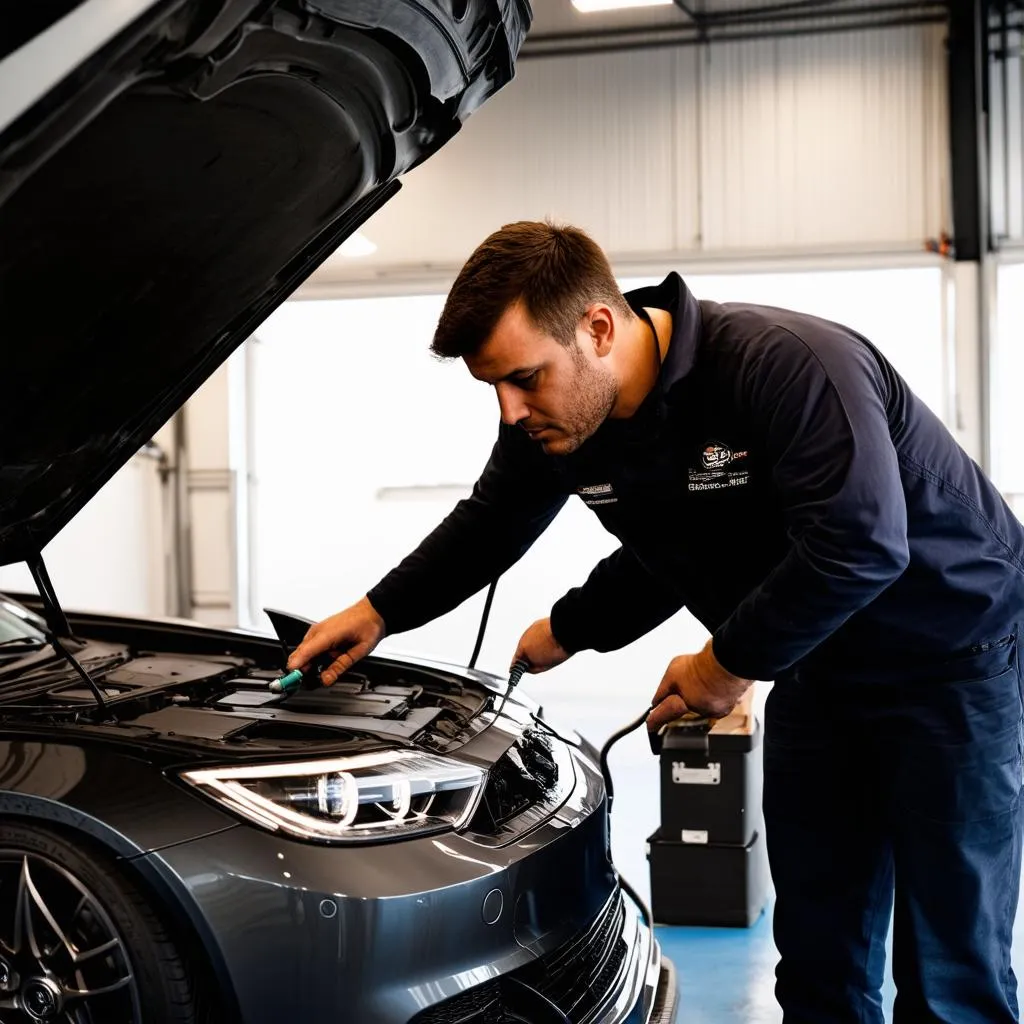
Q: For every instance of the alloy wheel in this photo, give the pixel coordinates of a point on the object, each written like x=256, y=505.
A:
x=62, y=960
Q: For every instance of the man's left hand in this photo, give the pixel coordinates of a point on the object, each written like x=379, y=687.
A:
x=698, y=683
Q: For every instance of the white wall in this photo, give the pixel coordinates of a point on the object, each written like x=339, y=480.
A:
x=217, y=514
x=824, y=142
x=111, y=556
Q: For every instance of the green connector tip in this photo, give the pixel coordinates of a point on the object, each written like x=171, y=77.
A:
x=286, y=682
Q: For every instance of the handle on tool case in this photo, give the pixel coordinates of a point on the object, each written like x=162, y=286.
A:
x=692, y=723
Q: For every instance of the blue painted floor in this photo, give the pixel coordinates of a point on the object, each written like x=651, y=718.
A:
x=726, y=975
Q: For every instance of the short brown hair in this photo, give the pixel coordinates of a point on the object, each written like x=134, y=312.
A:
x=556, y=272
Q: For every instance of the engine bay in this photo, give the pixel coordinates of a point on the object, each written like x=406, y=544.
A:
x=184, y=692
x=215, y=700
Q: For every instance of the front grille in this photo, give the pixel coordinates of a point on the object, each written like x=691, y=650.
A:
x=575, y=976
x=480, y=1005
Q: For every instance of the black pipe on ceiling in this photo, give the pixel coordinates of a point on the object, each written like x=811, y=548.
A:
x=779, y=10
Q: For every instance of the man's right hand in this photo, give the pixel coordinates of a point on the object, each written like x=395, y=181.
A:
x=348, y=636
x=539, y=648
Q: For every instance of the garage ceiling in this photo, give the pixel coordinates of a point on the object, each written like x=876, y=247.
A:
x=560, y=16
x=772, y=140
x=559, y=28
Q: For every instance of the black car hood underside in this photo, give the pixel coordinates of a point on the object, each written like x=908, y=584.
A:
x=159, y=203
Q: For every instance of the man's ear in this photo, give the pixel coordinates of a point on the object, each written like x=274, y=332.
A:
x=600, y=324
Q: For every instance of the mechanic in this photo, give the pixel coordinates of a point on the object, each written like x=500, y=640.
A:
x=771, y=472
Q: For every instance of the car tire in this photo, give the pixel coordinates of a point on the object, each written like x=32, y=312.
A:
x=161, y=987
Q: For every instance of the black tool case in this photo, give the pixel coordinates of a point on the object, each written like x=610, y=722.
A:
x=714, y=885
x=707, y=859
x=711, y=782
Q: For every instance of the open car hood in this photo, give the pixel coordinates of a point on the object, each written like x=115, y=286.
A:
x=168, y=189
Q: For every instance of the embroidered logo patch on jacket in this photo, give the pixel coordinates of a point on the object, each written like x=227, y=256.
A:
x=714, y=472
x=597, y=494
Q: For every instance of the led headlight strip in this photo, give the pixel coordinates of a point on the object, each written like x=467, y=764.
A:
x=367, y=796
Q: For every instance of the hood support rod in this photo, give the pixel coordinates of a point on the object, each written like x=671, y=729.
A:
x=58, y=625
x=52, y=611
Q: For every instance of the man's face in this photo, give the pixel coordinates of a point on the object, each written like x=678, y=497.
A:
x=559, y=395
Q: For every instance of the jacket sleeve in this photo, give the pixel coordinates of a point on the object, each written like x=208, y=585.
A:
x=513, y=502
x=822, y=416
x=619, y=602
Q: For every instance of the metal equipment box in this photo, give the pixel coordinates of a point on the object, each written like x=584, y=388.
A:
x=711, y=782
x=708, y=862
x=721, y=885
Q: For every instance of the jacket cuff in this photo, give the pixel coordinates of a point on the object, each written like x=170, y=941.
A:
x=730, y=655
x=385, y=608
x=567, y=627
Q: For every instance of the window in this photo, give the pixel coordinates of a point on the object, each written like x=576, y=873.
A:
x=1007, y=376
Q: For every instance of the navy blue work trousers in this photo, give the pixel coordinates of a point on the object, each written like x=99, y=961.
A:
x=897, y=799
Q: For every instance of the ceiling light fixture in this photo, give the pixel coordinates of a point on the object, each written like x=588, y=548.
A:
x=590, y=6
x=357, y=244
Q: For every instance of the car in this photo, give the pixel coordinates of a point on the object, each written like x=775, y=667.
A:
x=180, y=842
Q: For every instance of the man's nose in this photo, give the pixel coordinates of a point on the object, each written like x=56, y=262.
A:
x=510, y=401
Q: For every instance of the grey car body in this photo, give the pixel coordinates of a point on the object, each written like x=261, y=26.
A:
x=413, y=844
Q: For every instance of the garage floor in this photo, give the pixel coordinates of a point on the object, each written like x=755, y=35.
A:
x=726, y=975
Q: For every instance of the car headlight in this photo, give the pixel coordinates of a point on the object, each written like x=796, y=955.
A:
x=368, y=796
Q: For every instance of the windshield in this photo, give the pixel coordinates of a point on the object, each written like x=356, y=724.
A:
x=15, y=629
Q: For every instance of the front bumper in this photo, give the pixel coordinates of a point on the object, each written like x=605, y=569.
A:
x=666, y=999
x=410, y=932
x=611, y=973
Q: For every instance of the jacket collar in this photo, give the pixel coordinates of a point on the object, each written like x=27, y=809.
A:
x=673, y=296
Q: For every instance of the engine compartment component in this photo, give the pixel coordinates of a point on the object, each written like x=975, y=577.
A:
x=202, y=701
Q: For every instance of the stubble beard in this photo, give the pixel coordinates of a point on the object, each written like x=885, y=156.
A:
x=594, y=394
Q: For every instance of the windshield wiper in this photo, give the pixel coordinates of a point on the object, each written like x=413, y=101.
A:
x=58, y=623
x=33, y=643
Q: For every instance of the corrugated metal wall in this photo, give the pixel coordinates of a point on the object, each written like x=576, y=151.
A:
x=818, y=142
x=833, y=140
x=604, y=141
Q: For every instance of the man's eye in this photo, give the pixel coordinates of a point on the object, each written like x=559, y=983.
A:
x=526, y=380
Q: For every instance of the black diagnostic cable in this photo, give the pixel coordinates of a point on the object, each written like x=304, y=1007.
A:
x=607, y=774
x=544, y=727
x=513, y=681
x=606, y=750
x=483, y=621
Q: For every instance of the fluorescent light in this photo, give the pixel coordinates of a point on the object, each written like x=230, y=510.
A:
x=589, y=6
x=357, y=244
